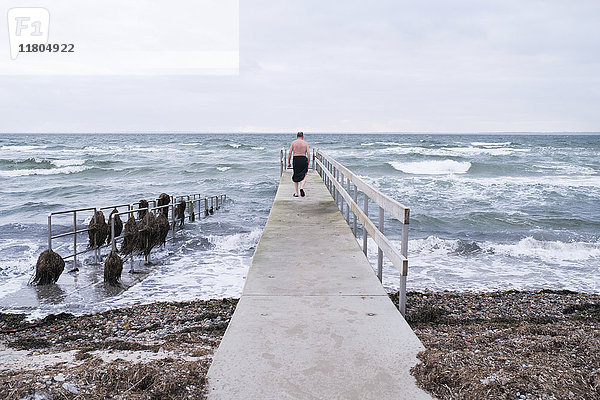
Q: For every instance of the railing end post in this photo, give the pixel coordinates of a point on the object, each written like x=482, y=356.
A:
x=402, y=296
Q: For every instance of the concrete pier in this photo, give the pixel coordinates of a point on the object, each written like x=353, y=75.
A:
x=313, y=321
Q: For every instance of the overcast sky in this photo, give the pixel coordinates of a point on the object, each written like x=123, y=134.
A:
x=354, y=66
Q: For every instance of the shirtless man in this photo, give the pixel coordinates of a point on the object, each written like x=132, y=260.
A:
x=301, y=162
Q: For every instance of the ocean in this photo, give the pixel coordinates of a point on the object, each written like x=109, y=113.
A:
x=488, y=212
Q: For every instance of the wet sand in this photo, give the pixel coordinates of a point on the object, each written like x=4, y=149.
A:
x=498, y=345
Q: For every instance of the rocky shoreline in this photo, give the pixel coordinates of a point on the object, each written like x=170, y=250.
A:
x=497, y=345
x=508, y=345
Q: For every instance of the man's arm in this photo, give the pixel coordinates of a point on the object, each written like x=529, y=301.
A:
x=290, y=153
x=308, y=154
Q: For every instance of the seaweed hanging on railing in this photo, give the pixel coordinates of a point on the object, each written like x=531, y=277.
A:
x=137, y=237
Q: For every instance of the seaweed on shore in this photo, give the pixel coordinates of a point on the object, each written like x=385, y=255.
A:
x=29, y=343
x=506, y=345
x=585, y=311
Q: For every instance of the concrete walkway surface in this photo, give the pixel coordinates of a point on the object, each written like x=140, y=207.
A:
x=313, y=321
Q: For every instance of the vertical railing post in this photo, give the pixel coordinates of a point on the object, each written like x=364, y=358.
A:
x=173, y=220
x=96, y=253
x=74, y=239
x=313, y=159
x=342, y=197
x=404, y=252
x=331, y=177
x=337, y=192
x=366, y=210
x=355, y=198
x=50, y=232
x=112, y=233
x=335, y=177
x=379, y=251
x=348, y=204
x=328, y=177
x=332, y=188
x=280, y=159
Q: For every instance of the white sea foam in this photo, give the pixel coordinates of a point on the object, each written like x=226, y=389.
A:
x=234, y=145
x=452, y=151
x=237, y=242
x=223, y=169
x=257, y=148
x=433, y=167
x=451, y=264
x=566, y=181
x=21, y=148
x=18, y=256
x=67, y=163
x=569, y=169
x=217, y=273
x=493, y=144
x=548, y=251
x=51, y=171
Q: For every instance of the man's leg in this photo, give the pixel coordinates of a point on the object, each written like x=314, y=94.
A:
x=296, y=187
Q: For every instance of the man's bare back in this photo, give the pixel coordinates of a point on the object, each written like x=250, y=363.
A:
x=300, y=148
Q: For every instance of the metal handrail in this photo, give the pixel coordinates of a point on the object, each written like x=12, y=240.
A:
x=331, y=171
x=399, y=211
x=214, y=202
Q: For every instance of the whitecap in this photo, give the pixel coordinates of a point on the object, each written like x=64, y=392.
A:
x=21, y=148
x=452, y=151
x=235, y=243
x=67, y=163
x=433, y=167
x=223, y=169
x=548, y=251
x=52, y=171
x=257, y=148
x=392, y=144
x=569, y=169
x=234, y=145
x=491, y=143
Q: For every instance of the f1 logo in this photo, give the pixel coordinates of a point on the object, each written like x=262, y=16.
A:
x=27, y=25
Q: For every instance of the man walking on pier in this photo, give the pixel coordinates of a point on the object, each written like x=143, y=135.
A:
x=301, y=161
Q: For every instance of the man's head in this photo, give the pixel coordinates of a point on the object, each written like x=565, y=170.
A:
x=300, y=135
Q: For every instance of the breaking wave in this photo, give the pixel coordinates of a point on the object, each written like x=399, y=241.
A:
x=45, y=171
x=442, y=167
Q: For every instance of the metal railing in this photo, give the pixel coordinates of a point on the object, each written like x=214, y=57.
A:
x=210, y=204
x=340, y=182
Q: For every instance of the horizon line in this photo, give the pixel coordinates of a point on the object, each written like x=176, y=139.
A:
x=309, y=132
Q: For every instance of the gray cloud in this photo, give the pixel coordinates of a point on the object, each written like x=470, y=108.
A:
x=460, y=66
